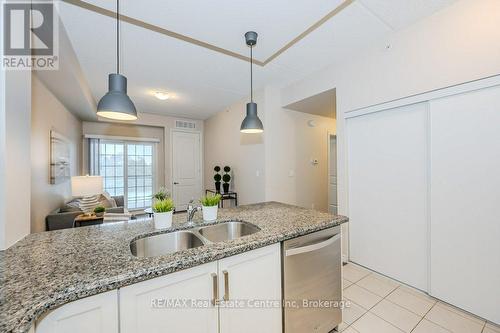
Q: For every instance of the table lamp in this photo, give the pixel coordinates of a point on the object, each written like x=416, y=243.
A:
x=86, y=187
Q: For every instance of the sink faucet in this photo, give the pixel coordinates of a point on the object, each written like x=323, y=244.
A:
x=191, y=210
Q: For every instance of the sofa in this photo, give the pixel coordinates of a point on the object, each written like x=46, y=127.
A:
x=64, y=216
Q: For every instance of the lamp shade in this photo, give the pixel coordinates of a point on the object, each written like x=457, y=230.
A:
x=251, y=123
x=116, y=104
x=84, y=186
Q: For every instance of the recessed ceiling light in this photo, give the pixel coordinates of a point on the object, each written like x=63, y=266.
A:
x=162, y=95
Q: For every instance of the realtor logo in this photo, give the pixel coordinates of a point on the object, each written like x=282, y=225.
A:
x=29, y=35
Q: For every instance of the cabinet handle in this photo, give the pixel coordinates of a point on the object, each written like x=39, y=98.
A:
x=226, y=285
x=215, y=289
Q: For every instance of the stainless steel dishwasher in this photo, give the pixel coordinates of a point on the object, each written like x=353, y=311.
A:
x=312, y=267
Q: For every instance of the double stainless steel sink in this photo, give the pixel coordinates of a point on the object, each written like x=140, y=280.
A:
x=156, y=245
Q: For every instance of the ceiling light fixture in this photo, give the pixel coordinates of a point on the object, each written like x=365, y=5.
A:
x=162, y=95
x=116, y=104
x=251, y=123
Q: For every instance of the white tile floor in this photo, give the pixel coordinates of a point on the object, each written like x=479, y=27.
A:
x=381, y=305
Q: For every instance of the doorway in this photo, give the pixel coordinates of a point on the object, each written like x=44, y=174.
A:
x=186, y=168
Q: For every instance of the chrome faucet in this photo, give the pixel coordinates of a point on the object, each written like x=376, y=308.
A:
x=191, y=210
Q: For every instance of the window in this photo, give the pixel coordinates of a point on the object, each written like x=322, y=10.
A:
x=127, y=169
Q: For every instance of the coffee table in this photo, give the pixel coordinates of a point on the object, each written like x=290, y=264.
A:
x=84, y=219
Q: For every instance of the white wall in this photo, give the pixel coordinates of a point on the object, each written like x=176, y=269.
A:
x=244, y=153
x=15, y=125
x=49, y=114
x=458, y=44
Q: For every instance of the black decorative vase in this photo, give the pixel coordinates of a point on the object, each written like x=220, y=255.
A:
x=225, y=186
x=217, y=187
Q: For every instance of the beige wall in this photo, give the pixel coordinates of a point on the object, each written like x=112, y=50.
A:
x=281, y=156
x=49, y=114
x=132, y=131
x=244, y=153
x=290, y=144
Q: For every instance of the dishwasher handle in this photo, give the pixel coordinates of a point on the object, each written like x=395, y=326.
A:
x=312, y=247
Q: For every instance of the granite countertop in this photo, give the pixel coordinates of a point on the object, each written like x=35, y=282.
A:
x=48, y=269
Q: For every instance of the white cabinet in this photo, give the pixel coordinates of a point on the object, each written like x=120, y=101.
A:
x=465, y=201
x=387, y=156
x=96, y=314
x=253, y=278
x=157, y=305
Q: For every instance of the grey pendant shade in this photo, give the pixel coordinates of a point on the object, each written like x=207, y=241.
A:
x=116, y=104
x=251, y=123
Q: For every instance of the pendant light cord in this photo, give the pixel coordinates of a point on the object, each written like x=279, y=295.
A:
x=118, y=36
x=251, y=74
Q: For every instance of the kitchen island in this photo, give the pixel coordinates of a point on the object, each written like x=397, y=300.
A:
x=46, y=270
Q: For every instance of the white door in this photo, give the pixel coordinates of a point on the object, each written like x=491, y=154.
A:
x=465, y=201
x=186, y=168
x=97, y=314
x=332, y=175
x=250, y=277
x=388, y=228
x=157, y=305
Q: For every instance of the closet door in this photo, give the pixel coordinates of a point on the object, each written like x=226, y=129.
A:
x=388, y=186
x=465, y=201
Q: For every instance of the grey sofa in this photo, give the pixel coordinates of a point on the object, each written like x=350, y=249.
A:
x=63, y=218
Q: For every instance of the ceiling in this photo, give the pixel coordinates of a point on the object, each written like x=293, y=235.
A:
x=205, y=69
x=322, y=104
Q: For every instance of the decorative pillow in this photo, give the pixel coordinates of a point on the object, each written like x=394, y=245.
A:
x=110, y=199
x=88, y=204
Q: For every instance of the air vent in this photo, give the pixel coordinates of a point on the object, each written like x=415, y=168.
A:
x=185, y=124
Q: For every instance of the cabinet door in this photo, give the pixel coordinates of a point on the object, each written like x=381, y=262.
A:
x=388, y=186
x=159, y=305
x=245, y=279
x=465, y=201
x=97, y=314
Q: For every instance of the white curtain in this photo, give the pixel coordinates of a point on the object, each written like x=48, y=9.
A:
x=94, y=146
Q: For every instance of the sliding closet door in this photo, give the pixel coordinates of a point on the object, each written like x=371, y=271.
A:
x=465, y=201
x=387, y=157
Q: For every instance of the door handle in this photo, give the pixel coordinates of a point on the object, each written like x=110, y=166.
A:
x=226, y=285
x=313, y=247
x=176, y=183
x=215, y=290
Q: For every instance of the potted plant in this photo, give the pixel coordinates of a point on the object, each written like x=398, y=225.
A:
x=162, y=212
x=99, y=211
x=226, y=178
x=217, y=178
x=210, y=204
x=162, y=193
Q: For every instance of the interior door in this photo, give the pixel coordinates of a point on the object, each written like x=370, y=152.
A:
x=332, y=175
x=465, y=201
x=186, y=168
x=388, y=186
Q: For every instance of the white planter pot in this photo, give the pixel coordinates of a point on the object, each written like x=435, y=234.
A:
x=210, y=213
x=163, y=220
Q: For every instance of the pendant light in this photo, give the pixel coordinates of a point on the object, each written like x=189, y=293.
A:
x=116, y=104
x=251, y=123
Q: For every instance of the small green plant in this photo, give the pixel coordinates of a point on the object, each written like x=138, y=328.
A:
x=227, y=169
x=226, y=178
x=163, y=206
x=217, y=177
x=162, y=194
x=217, y=168
x=99, y=209
x=210, y=200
